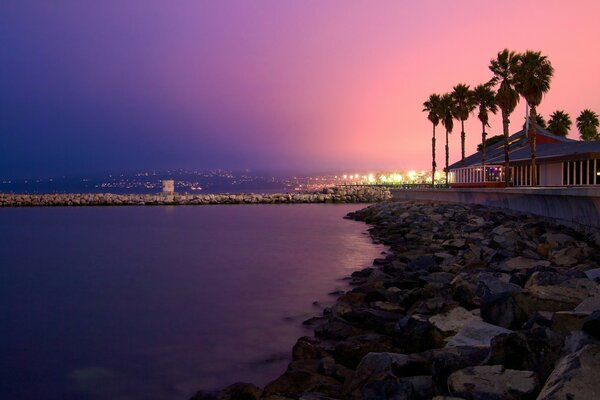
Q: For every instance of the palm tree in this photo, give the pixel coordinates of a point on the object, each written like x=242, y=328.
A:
x=539, y=120
x=447, y=115
x=485, y=98
x=507, y=97
x=560, y=123
x=463, y=99
x=533, y=73
x=587, y=123
x=432, y=106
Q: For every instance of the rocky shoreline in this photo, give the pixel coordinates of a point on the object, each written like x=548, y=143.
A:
x=342, y=194
x=469, y=302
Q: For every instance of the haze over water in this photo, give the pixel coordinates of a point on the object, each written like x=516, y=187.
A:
x=158, y=302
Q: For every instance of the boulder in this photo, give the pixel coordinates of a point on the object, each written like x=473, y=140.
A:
x=350, y=352
x=415, y=334
x=476, y=333
x=293, y=383
x=591, y=324
x=492, y=382
x=536, y=350
x=522, y=263
x=374, y=368
x=575, y=376
x=492, y=284
x=453, y=320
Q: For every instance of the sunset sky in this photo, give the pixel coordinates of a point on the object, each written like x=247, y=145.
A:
x=91, y=86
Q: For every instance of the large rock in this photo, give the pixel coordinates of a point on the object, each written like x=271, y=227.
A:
x=536, y=350
x=350, y=352
x=295, y=382
x=576, y=376
x=522, y=263
x=415, y=334
x=476, y=333
x=490, y=284
x=492, y=382
x=453, y=321
x=373, y=371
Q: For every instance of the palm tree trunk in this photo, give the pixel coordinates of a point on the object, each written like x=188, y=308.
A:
x=483, y=152
x=447, y=157
x=433, y=165
x=483, y=135
x=462, y=140
x=505, y=122
x=532, y=141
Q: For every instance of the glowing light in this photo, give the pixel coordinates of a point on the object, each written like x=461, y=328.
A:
x=371, y=178
x=345, y=176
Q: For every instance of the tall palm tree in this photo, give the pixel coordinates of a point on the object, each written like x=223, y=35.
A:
x=447, y=115
x=432, y=106
x=463, y=100
x=587, y=123
x=507, y=97
x=539, y=120
x=533, y=73
x=560, y=123
x=485, y=98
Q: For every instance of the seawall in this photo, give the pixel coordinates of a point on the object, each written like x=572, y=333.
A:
x=573, y=205
x=354, y=194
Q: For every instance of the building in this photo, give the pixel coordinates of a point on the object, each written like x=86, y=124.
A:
x=559, y=162
x=168, y=187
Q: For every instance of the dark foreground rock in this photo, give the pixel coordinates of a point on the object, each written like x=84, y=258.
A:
x=468, y=303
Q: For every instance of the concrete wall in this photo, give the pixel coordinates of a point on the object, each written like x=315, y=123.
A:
x=579, y=205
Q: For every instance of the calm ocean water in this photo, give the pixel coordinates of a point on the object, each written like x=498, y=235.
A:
x=157, y=302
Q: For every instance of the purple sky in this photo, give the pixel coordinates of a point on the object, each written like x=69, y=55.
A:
x=89, y=86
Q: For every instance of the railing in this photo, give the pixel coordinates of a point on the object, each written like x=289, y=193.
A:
x=398, y=185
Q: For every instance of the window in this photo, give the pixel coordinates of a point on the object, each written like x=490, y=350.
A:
x=578, y=172
x=565, y=168
x=591, y=172
x=584, y=172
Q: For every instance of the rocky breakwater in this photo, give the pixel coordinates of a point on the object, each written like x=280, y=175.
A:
x=467, y=303
x=346, y=194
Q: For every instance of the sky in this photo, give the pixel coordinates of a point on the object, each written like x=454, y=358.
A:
x=281, y=86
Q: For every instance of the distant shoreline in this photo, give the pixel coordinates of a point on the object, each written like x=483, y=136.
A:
x=357, y=194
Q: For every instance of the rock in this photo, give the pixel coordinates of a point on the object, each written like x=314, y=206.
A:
x=557, y=239
x=576, y=341
x=492, y=382
x=501, y=309
x=536, y=350
x=417, y=334
x=492, y=284
x=237, y=391
x=453, y=320
x=593, y=274
x=308, y=348
x=295, y=382
x=378, y=367
x=455, y=244
x=388, y=390
x=589, y=305
x=591, y=324
x=575, y=376
x=377, y=377
x=476, y=333
x=563, y=297
x=422, y=263
x=350, y=352
x=564, y=322
x=450, y=359
x=521, y=263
